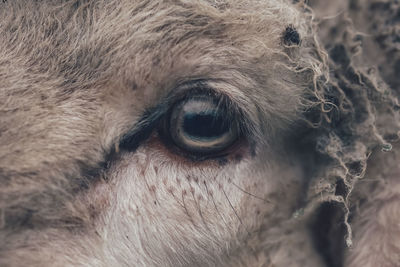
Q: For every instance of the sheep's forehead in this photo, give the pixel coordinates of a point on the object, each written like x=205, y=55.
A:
x=95, y=41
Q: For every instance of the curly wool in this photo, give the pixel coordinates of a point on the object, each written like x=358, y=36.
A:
x=356, y=111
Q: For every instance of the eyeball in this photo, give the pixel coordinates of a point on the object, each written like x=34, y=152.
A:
x=202, y=125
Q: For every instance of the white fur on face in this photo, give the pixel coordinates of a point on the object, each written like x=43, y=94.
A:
x=168, y=213
x=163, y=212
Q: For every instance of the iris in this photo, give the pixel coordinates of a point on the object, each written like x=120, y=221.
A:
x=202, y=125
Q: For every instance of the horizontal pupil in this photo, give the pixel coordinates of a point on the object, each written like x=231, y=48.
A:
x=200, y=125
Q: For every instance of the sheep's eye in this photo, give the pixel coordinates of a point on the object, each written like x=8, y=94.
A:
x=201, y=125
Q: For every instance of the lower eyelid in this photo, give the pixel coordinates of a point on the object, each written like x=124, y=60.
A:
x=239, y=151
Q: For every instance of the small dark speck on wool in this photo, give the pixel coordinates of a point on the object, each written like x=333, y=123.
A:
x=291, y=36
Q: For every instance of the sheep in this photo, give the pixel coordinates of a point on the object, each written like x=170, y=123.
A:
x=198, y=133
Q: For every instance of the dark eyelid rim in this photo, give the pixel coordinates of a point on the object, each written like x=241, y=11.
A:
x=142, y=130
x=152, y=117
